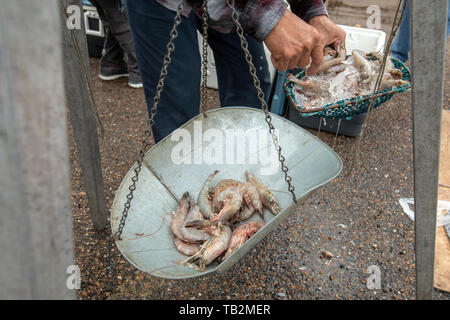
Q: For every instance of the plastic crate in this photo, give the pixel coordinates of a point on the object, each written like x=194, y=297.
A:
x=351, y=128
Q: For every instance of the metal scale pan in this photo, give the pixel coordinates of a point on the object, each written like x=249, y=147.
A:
x=147, y=239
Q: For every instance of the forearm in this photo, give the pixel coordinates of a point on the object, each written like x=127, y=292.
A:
x=257, y=17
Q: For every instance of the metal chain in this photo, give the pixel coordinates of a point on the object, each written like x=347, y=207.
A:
x=203, y=92
x=265, y=108
x=401, y=7
x=151, y=122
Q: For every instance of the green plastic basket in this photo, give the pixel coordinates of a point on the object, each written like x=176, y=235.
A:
x=349, y=107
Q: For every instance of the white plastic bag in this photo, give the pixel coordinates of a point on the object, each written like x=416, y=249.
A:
x=441, y=220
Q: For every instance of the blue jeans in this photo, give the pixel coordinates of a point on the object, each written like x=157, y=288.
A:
x=401, y=46
x=150, y=25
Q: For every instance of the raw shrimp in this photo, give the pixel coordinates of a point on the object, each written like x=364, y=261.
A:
x=203, y=199
x=227, y=200
x=267, y=198
x=222, y=189
x=246, y=212
x=194, y=214
x=386, y=84
x=310, y=87
x=212, y=248
x=241, y=234
x=178, y=227
x=185, y=248
x=252, y=200
x=362, y=64
x=178, y=219
x=193, y=235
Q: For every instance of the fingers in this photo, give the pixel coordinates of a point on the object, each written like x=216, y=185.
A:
x=317, y=57
x=291, y=42
x=304, y=61
x=279, y=64
x=336, y=44
x=285, y=64
x=298, y=62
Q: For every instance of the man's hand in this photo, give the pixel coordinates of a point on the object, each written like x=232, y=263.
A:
x=294, y=43
x=330, y=33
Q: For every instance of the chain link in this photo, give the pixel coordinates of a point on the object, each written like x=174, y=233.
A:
x=151, y=122
x=203, y=92
x=265, y=108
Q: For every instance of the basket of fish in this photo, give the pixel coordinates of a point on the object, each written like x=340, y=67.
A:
x=344, y=85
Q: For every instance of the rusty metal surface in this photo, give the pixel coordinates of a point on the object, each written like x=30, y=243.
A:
x=147, y=239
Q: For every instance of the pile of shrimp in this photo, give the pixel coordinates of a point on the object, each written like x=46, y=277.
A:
x=215, y=226
x=341, y=78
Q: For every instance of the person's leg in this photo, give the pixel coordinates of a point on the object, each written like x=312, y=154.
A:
x=401, y=46
x=236, y=86
x=151, y=24
x=112, y=64
x=118, y=29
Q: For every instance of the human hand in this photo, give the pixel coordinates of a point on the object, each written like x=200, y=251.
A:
x=330, y=33
x=294, y=43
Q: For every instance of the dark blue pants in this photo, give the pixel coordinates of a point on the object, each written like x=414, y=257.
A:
x=150, y=25
x=401, y=46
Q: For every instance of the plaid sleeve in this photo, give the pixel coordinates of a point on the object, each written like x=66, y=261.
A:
x=257, y=17
x=307, y=9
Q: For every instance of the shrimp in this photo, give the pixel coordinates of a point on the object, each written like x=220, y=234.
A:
x=185, y=248
x=178, y=223
x=379, y=60
x=267, y=198
x=203, y=201
x=324, y=67
x=178, y=220
x=310, y=87
x=227, y=200
x=241, y=234
x=246, y=213
x=362, y=64
x=252, y=200
x=252, y=197
x=211, y=249
x=337, y=69
x=332, y=58
x=221, y=191
x=232, y=202
x=194, y=214
x=192, y=235
x=387, y=84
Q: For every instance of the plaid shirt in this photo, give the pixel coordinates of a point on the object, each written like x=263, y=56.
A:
x=258, y=17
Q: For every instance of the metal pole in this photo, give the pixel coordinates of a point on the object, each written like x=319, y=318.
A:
x=36, y=243
x=428, y=39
